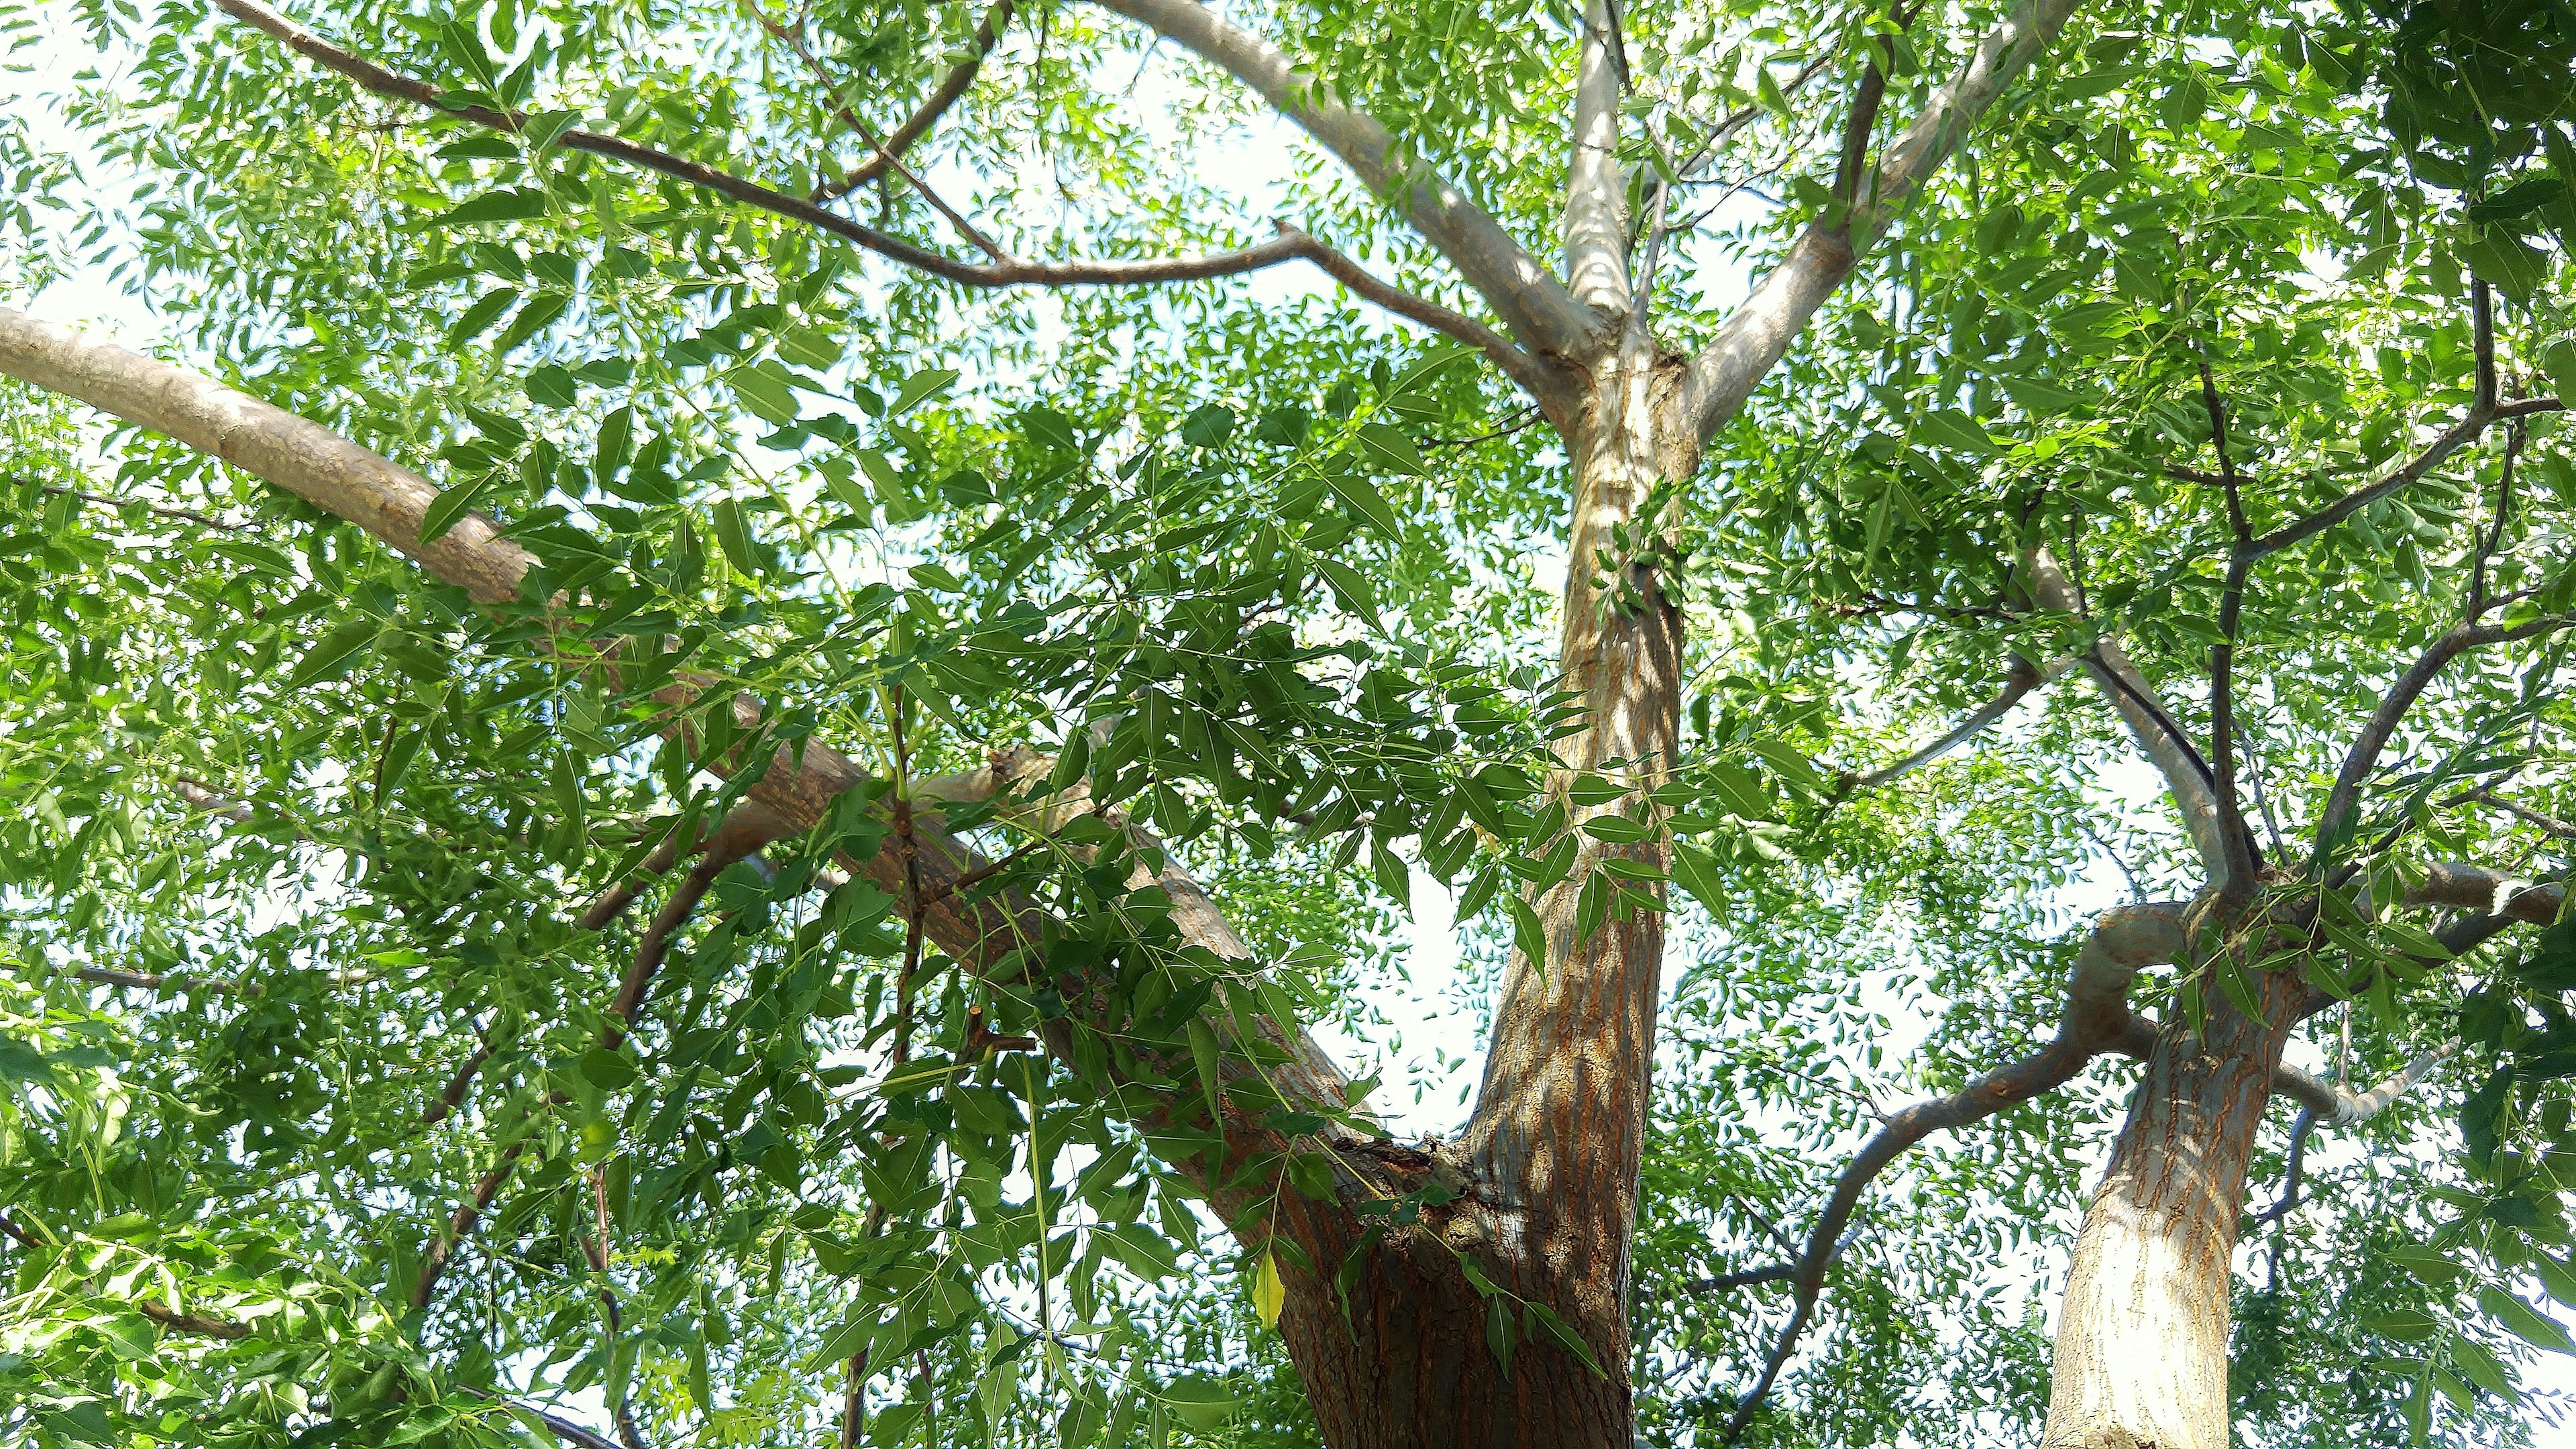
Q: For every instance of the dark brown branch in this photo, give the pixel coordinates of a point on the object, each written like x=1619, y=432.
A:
x=2289, y=1202
x=951, y=87
x=1516, y=364
x=973, y=234
x=1862, y=122
x=453, y=1095
x=2363, y=757
x=1530, y=419
x=2243, y=859
x=2485, y=410
x=1737, y=120
x=433, y=1264
x=381, y=81
x=2096, y=1020
x=2019, y=680
x=2550, y=823
x=190, y=1323
x=2494, y=536
x=18, y=1234
x=556, y=1422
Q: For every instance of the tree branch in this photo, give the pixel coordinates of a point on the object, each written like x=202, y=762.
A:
x=1721, y=379
x=984, y=932
x=1006, y=273
x=2485, y=410
x=1545, y=387
x=2187, y=776
x=1596, y=195
x=2021, y=679
x=158, y=510
x=2243, y=859
x=2335, y=1107
x=966, y=230
x=960, y=77
x=2549, y=823
x=2373, y=738
x=2096, y=1020
x=1532, y=303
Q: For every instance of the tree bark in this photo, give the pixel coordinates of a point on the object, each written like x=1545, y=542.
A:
x=2142, y=1340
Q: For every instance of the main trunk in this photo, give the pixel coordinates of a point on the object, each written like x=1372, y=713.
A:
x=2142, y=1340
x=1548, y=1167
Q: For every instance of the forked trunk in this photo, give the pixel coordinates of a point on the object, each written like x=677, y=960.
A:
x=1549, y=1165
x=2142, y=1341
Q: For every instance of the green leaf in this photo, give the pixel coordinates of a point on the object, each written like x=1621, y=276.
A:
x=1529, y=933
x=1364, y=500
x=1352, y=590
x=1205, y=1053
x=1543, y=1320
x=2513, y=265
x=1501, y=1335
x=541, y=309
x=451, y=506
x=605, y=1069
x=2481, y=1367
x=921, y=387
x=1203, y=1404
x=2524, y=1321
x=522, y=204
x=335, y=654
x=1388, y=445
x=768, y=395
x=486, y=310
x=1696, y=870
x=732, y=536
x=1953, y=429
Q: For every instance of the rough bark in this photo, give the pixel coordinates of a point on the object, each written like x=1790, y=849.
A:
x=2142, y=1340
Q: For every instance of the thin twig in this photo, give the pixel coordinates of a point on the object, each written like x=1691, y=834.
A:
x=185, y=515
x=951, y=87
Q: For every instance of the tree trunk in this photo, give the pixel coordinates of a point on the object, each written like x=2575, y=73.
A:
x=1412, y=1366
x=2142, y=1340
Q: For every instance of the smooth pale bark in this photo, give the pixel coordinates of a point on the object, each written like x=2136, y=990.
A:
x=2141, y=1357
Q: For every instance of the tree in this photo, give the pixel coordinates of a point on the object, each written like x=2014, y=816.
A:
x=2131, y=402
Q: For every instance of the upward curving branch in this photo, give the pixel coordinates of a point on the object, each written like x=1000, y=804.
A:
x=980, y=930
x=2187, y=776
x=952, y=87
x=2095, y=1020
x=1547, y=318
x=1721, y=379
x=1596, y=196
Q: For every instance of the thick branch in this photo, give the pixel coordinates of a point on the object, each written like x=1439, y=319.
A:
x=2237, y=839
x=1009, y=273
x=983, y=931
x=1596, y=196
x=2186, y=775
x=1725, y=373
x=1532, y=303
x=2096, y=1020
x=951, y=86
x=2336, y=1107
